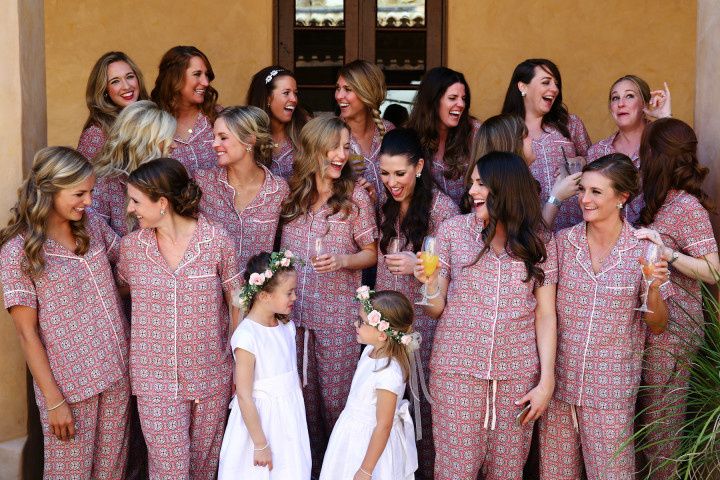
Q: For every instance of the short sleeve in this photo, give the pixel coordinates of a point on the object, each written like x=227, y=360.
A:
x=228, y=268
x=550, y=265
x=91, y=142
x=364, y=227
x=110, y=239
x=443, y=208
x=18, y=287
x=444, y=248
x=122, y=274
x=694, y=231
x=579, y=135
x=243, y=338
x=390, y=378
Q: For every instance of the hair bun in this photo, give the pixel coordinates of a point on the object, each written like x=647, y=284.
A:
x=188, y=200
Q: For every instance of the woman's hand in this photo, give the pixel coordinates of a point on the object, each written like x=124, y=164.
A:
x=263, y=458
x=661, y=270
x=539, y=398
x=62, y=424
x=361, y=476
x=327, y=263
x=566, y=186
x=659, y=105
x=369, y=188
x=402, y=263
x=653, y=236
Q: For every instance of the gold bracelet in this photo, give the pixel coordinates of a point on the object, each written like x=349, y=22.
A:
x=56, y=406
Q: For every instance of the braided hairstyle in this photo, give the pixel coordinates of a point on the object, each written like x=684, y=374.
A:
x=368, y=82
x=168, y=178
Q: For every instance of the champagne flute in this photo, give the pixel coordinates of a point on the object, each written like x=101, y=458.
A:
x=318, y=249
x=357, y=162
x=652, y=255
x=430, y=259
x=572, y=168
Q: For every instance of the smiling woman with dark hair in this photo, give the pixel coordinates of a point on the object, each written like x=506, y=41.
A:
x=494, y=347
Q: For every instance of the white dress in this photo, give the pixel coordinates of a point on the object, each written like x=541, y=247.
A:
x=351, y=435
x=279, y=402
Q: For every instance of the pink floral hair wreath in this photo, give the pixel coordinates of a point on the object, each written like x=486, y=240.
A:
x=278, y=260
x=375, y=319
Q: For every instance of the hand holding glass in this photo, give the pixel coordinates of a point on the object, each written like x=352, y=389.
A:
x=652, y=255
x=429, y=259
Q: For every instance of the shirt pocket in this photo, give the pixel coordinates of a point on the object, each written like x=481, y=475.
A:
x=339, y=236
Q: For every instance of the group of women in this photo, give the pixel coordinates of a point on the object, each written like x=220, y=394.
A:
x=119, y=264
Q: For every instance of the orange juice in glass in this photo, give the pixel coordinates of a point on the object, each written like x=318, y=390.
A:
x=430, y=260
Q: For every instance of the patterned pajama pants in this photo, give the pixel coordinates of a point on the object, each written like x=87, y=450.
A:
x=100, y=447
x=465, y=441
x=184, y=437
x=664, y=404
x=332, y=359
x=425, y=447
x=600, y=434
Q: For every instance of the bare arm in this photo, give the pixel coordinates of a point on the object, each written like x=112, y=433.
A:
x=436, y=287
x=657, y=319
x=234, y=312
x=706, y=268
x=546, y=338
x=385, y=414
x=60, y=419
x=244, y=379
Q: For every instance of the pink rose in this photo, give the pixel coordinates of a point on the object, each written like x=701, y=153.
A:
x=288, y=254
x=383, y=326
x=285, y=262
x=406, y=339
x=257, y=279
x=374, y=318
x=268, y=273
x=363, y=292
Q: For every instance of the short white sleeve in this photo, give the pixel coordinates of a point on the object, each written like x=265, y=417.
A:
x=390, y=378
x=243, y=337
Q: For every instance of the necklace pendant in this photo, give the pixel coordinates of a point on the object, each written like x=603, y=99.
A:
x=189, y=130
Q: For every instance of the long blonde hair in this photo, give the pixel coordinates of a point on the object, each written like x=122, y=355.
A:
x=141, y=132
x=102, y=111
x=317, y=138
x=368, y=82
x=251, y=123
x=54, y=169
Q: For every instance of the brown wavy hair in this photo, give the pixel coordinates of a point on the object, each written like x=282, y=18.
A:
x=425, y=121
x=102, y=111
x=317, y=138
x=260, y=91
x=168, y=178
x=368, y=82
x=621, y=172
x=171, y=77
x=259, y=264
x=513, y=201
x=54, y=169
x=668, y=161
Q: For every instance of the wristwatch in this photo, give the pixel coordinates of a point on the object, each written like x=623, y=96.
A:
x=554, y=201
x=673, y=257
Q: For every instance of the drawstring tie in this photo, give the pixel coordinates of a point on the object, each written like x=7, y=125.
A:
x=573, y=413
x=492, y=385
x=306, y=340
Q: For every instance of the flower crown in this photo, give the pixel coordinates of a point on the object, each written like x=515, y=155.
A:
x=282, y=259
x=411, y=340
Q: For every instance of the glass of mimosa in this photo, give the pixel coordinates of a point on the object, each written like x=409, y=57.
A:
x=429, y=259
x=652, y=255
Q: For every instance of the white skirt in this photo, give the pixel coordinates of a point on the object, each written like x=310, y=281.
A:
x=279, y=403
x=351, y=437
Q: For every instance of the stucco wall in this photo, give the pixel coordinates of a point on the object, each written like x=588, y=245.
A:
x=593, y=43
x=235, y=35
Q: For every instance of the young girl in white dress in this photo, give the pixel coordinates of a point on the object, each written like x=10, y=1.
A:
x=266, y=437
x=374, y=436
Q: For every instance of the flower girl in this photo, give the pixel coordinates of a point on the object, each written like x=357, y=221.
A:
x=374, y=436
x=266, y=436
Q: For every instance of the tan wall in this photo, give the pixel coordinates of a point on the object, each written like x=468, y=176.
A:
x=238, y=41
x=593, y=43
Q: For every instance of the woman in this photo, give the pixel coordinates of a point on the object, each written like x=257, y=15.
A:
x=115, y=82
x=359, y=91
x=413, y=210
x=600, y=332
x=494, y=349
x=240, y=193
x=183, y=89
x=441, y=116
x=274, y=90
x=141, y=132
x=675, y=206
x=631, y=103
x=55, y=266
x=180, y=270
x=535, y=95
x=329, y=219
